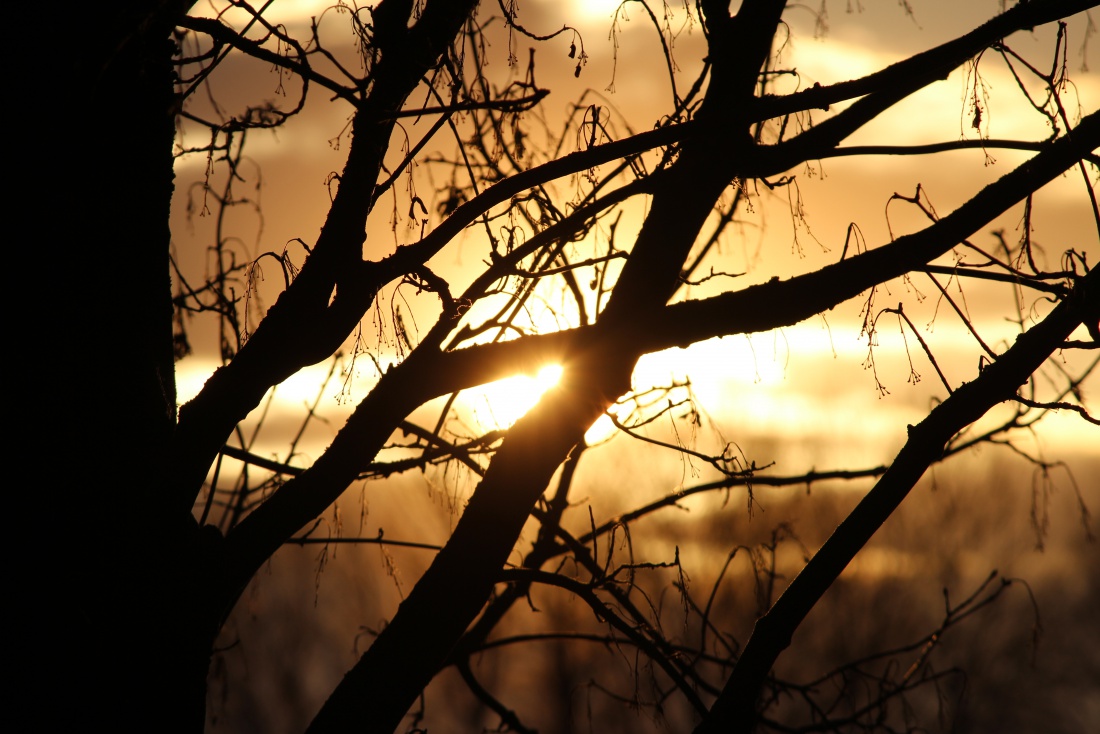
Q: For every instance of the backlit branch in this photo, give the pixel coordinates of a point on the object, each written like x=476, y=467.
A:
x=735, y=709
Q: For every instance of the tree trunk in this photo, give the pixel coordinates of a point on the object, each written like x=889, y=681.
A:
x=138, y=636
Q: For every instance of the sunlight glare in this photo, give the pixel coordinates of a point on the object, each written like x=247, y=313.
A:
x=502, y=403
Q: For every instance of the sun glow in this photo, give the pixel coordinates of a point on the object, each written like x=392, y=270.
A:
x=502, y=403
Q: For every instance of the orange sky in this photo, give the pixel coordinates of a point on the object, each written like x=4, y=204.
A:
x=783, y=382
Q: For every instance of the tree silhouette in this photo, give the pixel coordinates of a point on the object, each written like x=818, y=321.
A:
x=161, y=544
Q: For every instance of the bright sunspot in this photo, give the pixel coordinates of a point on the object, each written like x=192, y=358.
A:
x=502, y=403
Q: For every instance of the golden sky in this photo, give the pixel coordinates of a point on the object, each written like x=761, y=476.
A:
x=808, y=379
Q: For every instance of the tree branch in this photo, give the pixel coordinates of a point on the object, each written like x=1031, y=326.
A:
x=735, y=709
x=315, y=314
x=885, y=88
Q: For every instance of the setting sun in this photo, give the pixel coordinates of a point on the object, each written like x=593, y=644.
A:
x=502, y=403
